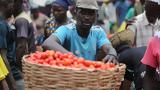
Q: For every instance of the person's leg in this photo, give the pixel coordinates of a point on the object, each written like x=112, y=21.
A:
x=9, y=78
x=20, y=84
x=4, y=85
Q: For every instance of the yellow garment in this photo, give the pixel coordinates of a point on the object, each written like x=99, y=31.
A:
x=3, y=69
x=122, y=27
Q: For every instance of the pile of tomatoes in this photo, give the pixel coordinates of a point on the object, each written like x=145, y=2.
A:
x=67, y=60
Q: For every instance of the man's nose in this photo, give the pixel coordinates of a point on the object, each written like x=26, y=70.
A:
x=86, y=16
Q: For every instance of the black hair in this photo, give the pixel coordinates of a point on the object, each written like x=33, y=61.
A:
x=142, y=2
x=17, y=7
x=6, y=8
x=150, y=4
x=3, y=5
x=9, y=10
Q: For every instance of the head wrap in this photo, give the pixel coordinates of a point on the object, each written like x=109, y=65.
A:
x=63, y=3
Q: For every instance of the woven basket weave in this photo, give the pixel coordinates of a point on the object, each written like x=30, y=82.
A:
x=124, y=36
x=40, y=77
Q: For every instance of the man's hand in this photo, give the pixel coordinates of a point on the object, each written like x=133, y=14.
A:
x=110, y=58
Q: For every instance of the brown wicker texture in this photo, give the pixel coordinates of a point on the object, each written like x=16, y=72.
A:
x=40, y=77
x=124, y=36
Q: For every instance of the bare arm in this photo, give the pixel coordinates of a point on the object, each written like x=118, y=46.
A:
x=111, y=55
x=52, y=43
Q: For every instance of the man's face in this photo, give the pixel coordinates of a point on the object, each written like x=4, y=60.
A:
x=86, y=17
x=152, y=12
x=59, y=13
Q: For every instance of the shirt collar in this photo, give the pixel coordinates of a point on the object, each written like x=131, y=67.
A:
x=145, y=20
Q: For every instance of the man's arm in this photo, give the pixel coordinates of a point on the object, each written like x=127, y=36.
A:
x=111, y=55
x=53, y=43
x=21, y=49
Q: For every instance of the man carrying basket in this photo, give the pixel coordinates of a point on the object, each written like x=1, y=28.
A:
x=82, y=38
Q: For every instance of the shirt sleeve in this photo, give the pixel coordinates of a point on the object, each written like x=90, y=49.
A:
x=149, y=57
x=102, y=38
x=61, y=34
x=132, y=27
x=22, y=26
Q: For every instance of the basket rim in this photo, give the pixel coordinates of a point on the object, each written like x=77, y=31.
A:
x=120, y=65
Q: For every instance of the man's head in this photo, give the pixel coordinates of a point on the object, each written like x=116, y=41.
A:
x=2, y=8
x=152, y=8
x=86, y=13
x=59, y=8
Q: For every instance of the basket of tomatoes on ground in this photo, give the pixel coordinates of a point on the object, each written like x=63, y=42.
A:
x=52, y=70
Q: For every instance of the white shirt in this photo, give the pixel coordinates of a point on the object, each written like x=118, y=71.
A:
x=143, y=29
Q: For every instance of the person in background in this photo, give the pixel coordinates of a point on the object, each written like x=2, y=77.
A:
x=102, y=18
x=72, y=11
x=83, y=39
x=122, y=7
x=131, y=57
x=152, y=61
x=39, y=20
x=145, y=24
x=139, y=6
x=11, y=48
x=131, y=11
x=25, y=39
x=110, y=11
x=4, y=32
x=59, y=11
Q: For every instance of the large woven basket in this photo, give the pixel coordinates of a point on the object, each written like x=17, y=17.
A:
x=40, y=77
x=124, y=36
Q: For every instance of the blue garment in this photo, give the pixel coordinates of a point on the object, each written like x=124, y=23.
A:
x=3, y=33
x=63, y=3
x=122, y=8
x=7, y=40
x=81, y=47
x=40, y=39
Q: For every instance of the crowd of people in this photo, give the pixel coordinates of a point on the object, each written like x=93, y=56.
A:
x=85, y=28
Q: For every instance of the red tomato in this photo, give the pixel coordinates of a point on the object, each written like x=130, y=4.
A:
x=40, y=61
x=91, y=67
x=50, y=53
x=67, y=62
x=112, y=65
x=87, y=63
x=52, y=63
x=81, y=60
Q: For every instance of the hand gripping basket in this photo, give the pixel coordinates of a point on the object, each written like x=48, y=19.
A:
x=40, y=77
x=126, y=36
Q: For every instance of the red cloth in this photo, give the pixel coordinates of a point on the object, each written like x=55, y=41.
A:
x=152, y=54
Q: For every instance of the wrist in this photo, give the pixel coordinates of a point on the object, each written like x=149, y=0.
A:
x=115, y=56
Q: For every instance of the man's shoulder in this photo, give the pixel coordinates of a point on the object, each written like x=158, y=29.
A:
x=140, y=17
x=70, y=26
x=96, y=28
